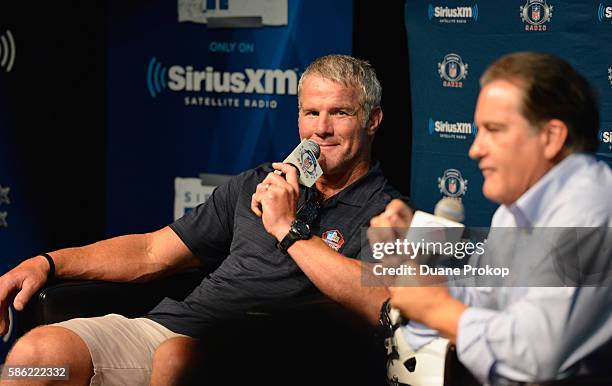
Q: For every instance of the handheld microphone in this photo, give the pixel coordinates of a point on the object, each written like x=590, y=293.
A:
x=447, y=217
x=304, y=159
x=428, y=362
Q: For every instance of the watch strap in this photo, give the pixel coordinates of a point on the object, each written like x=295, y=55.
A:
x=291, y=237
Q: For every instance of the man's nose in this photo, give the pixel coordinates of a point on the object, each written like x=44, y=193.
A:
x=477, y=149
x=324, y=127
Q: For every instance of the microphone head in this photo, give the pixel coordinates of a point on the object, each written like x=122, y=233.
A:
x=312, y=146
x=450, y=209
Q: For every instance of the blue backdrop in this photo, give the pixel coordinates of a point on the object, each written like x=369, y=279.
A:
x=451, y=43
x=21, y=235
x=205, y=94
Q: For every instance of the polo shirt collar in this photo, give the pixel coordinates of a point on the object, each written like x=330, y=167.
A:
x=359, y=191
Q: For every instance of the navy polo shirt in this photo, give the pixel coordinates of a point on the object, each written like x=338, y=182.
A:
x=249, y=270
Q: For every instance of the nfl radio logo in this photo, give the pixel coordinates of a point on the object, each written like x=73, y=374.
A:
x=452, y=184
x=308, y=161
x=535, y=14
x=452, y=71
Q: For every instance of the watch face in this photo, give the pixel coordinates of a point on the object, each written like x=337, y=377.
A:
x=301, y=228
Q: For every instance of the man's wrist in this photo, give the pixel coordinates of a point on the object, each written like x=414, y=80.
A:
x=299, y=230
x=445, y=317
x=282, y=231
x=49, y=265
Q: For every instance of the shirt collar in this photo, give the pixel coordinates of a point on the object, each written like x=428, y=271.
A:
x=531, y=205
x=359, y=191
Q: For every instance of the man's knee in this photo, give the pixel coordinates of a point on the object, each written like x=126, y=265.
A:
x=177, y=360
x=50, y=345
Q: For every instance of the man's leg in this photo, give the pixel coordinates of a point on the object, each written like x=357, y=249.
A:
x=177, y=361
x=116, y=351
x=51, y=346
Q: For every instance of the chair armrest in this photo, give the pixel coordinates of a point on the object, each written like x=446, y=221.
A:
x=66, y=299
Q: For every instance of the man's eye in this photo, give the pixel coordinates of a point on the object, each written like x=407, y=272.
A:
x=490, y=129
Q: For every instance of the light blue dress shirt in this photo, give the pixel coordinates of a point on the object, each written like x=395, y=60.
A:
x=539, y=333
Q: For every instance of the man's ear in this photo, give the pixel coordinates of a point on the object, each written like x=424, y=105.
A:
x=374, y=122
x=553, y=135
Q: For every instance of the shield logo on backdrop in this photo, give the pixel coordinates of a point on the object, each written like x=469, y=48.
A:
x=452, y=184
x=452, y=70
x=535, y=13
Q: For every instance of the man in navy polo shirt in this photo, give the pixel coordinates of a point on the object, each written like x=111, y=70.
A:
x=248, y=231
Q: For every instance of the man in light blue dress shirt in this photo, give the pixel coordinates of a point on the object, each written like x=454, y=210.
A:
x=537, y=124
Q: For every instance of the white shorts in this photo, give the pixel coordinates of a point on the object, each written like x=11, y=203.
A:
x=121, y=348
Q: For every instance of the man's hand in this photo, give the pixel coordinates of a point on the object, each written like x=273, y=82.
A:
x=432, y=306
x=391, y=224
x=19, y=284
x=275, y=200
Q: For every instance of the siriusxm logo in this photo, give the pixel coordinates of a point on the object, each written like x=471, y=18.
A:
x=7, y=51
x=250, y=81
x=459, y=14
x=605, y=136
x=604, y=12
x=452, y=130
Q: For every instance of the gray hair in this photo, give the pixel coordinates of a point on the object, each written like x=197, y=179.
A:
x=350, y=72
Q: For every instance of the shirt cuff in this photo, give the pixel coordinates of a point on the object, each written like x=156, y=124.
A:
x=418, y=335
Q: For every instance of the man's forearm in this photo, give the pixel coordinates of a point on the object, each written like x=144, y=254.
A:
x=120, y=259
x=338, y=277
x=131, y=258
x=445, y=319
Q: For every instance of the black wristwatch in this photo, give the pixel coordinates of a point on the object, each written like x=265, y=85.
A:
x=299, y=231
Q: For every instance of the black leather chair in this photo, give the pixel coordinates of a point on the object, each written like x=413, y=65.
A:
x=309, y=341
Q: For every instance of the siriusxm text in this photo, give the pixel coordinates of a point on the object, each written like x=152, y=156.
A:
x=463, y=12
x=453, y=127
x=251, y=81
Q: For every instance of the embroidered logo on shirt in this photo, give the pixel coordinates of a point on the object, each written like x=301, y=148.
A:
x=334, y=239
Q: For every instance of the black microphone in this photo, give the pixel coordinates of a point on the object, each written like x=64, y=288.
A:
x=304, y=159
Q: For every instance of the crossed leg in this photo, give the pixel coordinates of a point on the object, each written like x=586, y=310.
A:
x=126, y=351
x=51, y=346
